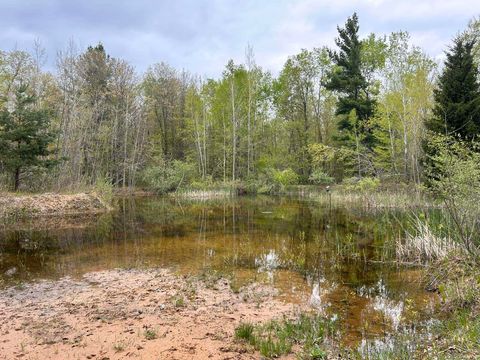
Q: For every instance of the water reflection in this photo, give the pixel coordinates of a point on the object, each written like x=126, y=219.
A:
x=331, y=259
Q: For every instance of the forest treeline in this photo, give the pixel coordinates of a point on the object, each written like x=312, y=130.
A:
x=367, y=107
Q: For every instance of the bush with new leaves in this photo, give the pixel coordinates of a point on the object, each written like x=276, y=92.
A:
x=163, y=177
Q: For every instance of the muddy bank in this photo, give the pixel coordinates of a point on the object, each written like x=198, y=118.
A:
x=13, y=206
x=148, y=314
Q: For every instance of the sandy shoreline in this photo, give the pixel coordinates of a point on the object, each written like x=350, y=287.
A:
x=132, y=314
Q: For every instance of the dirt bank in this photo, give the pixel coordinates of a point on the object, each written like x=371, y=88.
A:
x=21, y=206
x=138, y=314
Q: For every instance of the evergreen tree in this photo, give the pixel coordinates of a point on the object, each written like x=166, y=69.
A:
x=24, y=137
x=457, y=98
x=348, y=80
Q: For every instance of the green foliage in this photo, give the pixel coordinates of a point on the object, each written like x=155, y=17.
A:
x=403, y=107
x=167, y=176
x=457, y=98
x=273, y=181
x=347, y=78
x=24, y=137
x=454, y=176
x=318, y=177
x=245, y=332
x=276, y=338
x=285, y=177
x=336, y=162
x=362, y=185
x=457, y=278
x=304, y=106
x=104, y=189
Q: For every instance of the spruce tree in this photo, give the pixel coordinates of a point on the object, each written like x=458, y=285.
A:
x=349, y=82
x=24, y=137
x=457, y=97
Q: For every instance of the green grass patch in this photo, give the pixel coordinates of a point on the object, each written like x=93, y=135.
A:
x=245, y=332
x=278, y=337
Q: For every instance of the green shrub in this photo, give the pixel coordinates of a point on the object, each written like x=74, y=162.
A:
x=318, y=177
x=453, y=174
x=104, y=189
x=164, y=177
x=362, y=185
x=285, y=177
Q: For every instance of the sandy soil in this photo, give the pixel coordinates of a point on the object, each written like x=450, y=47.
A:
x=18, y=206
x=132, y=314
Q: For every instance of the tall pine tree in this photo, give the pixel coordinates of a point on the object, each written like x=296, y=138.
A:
x=457, y=97
x=24, y=137
x=348, y=81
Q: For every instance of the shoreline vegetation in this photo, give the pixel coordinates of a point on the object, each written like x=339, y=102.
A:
x=97, y=200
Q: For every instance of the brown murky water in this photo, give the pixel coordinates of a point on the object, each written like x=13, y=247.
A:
x=332, y=259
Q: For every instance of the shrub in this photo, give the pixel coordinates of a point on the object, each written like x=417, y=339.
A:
x=104, y=189
x=318, y=177
x=285, y=177
x=164, y=177
x=454, y=176
x=272, y=181
x=362, y=185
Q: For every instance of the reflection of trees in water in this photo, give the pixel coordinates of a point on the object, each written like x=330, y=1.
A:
x=229, y=233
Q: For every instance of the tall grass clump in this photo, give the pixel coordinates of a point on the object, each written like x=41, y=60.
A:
x=423, y=245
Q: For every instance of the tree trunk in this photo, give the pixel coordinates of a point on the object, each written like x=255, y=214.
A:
x=17, y=179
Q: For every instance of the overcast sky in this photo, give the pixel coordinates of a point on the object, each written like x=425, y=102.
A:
x=201, y=36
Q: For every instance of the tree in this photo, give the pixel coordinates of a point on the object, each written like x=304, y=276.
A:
x=472, y=33
x=348, y=79
x=304, y=105
x=404, y=105
x=457, y=98
x=24, y=137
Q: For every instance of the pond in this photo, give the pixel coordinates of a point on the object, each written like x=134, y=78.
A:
x=335, y=259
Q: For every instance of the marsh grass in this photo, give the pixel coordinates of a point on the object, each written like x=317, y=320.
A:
x=375, y=199
x=423, y=245
x=203, y=194
x=278, y=337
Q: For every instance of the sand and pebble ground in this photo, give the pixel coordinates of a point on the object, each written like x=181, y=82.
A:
x=132, y=314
